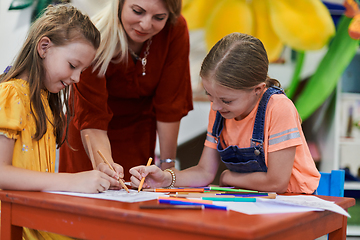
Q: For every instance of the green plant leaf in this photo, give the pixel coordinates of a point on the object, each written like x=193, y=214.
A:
x=38, y=10
x=296, y=76
x=20, y=4
x=323, y=82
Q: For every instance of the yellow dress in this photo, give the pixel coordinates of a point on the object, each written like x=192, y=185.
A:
x=17, y=122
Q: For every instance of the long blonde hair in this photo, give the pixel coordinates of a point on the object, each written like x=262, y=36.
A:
x=114, y=44
x=62, y=24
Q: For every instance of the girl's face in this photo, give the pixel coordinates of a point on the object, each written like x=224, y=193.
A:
x=64, y=64
x=232, y=103
x=143, y=19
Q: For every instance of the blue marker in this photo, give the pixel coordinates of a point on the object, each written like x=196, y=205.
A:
x=174, y=202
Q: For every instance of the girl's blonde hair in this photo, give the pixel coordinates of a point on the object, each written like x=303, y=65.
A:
x=62, y=24
x=114, y=45
x=238, y=61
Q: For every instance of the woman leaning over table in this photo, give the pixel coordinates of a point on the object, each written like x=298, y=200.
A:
x=139, y=87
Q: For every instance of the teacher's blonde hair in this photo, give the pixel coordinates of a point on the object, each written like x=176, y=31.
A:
x=114, y=45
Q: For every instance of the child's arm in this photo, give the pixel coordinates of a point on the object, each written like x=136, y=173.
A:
x=100, y=141
x=15, y=178
x=197, y=176
x=276, y=179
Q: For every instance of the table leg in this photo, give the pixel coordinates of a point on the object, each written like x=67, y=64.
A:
x=8, y=231
x=339, y=234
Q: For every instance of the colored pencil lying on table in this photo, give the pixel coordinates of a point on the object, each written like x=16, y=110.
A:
x=205, y=203
x=231, y=189
x=107, y=162
x=172, y=190
x=262, y=195
x=192, y=195
x=201, y=195
x=169, y=206
x=230, y=199
x=243, y=194
x=185, y=200
x=143, y=179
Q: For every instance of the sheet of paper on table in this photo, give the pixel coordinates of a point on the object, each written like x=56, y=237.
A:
x=118, y=195
x=284, y=204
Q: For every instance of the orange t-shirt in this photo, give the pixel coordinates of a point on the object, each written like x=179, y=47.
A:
x=282, y=129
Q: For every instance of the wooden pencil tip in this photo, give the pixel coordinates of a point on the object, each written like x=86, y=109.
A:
x=272, y=195
x=149, y=190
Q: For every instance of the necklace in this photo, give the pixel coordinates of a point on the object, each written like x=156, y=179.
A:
x=144, y=59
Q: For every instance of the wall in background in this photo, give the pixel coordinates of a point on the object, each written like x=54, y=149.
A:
x=13, y=27
x=15, y=24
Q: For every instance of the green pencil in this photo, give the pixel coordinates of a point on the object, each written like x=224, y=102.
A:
x=230, y=199
x=231, y=189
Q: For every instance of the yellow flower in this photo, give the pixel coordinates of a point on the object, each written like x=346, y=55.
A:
x=302, y=25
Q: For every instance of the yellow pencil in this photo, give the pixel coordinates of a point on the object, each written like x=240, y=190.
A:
x=143, y=179
x=106, y=161
x=88, y=144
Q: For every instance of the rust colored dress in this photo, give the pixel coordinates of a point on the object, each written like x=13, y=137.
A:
x=127, y=104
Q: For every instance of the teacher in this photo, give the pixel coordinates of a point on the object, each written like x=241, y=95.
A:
x=139, y=86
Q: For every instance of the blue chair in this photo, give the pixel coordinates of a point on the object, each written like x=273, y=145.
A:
x=332, y=184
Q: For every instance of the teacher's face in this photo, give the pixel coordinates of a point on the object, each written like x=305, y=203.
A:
x=143, y=19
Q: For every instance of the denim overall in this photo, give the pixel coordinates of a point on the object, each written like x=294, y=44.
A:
x=252, y=159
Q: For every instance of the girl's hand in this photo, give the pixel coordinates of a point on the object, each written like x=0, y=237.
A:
x=118, y=174
x=90, y=182
x=154, y=176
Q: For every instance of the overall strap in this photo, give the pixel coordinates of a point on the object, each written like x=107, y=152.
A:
x=258, y=131
x=218, y=125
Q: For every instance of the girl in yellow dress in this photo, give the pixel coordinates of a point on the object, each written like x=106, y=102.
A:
x=33, y=96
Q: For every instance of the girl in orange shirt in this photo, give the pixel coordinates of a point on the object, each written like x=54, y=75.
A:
x=253, y=128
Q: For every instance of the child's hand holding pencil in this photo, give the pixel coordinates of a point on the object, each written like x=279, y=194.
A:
x=153, y=175
x=119, y=179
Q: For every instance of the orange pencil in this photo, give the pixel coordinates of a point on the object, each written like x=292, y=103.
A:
x=143, y=179
x=184, y=190
x=106, y=161
x=88, y=144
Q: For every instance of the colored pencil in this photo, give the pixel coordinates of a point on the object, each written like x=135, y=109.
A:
x=193, y=195
x=230, y=199
x=143, y=179
x=172, y=190
x=261, y=195
x=91, y=154
x=206, y=205
x=243, y=194
x=107, y=162
x=168, y=206
x=231, y=189
x=185, y=200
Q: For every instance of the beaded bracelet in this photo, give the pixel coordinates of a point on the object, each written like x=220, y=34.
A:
x=173, y=177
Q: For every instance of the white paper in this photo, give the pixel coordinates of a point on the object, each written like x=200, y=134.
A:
x=311, y=201
x=118, y=195
x=260, y=207
x=284, y=204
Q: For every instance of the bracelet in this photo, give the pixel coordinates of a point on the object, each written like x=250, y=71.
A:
x=168, y=160
x=173, y=177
